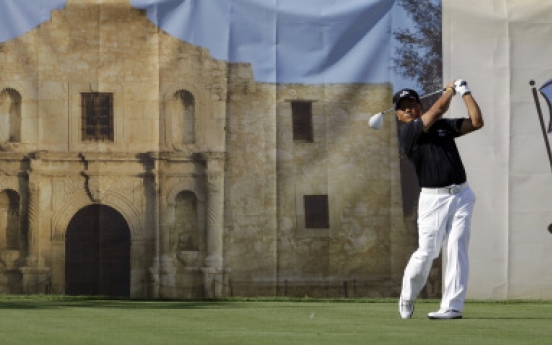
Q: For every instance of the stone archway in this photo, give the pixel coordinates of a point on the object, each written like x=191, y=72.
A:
x=97, y=253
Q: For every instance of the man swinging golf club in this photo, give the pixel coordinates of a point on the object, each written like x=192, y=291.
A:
x=446, y=201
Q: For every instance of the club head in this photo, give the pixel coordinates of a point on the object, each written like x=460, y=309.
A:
x=376, y=121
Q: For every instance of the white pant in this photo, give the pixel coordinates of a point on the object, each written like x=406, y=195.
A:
x=442, y=217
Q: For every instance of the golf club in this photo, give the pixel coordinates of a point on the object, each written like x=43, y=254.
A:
x=376, y=121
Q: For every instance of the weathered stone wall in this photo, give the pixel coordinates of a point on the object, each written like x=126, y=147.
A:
x=251, y=218
x=242, y=173
x=269, y=173
x=93, y=46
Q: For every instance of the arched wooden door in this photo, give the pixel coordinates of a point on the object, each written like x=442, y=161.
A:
x=97, y=253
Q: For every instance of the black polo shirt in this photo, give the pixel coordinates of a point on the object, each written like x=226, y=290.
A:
x=434, y=153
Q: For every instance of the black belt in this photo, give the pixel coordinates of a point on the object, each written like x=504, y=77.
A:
x=449, y=190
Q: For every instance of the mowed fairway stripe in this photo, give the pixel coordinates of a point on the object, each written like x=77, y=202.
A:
x=61, y=321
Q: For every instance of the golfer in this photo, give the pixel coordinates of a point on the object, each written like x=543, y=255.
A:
x=446, y=201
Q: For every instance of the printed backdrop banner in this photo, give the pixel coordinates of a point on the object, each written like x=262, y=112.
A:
x=276, y=36
x=502, y=49
x=345, y=42
x=18, y=17
x=200, y=148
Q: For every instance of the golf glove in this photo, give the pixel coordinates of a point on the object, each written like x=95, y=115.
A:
x=461, y=87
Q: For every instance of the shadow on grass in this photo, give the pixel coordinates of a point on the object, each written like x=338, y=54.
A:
x=37, y=302
x=106, y=302
x=61, y=301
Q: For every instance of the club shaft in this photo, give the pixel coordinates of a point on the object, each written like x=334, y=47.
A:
x=432, y=93
x=421, y=97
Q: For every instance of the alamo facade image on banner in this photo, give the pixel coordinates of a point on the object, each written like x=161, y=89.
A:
x=218, y=148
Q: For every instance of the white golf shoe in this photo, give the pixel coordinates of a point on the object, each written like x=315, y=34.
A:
x=406, y=308
x=445, y=314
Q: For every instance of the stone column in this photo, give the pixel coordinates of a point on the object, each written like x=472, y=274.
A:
x=214, y=272
x=215, y=210
x=35, y=278
x=164, y=268
x=155, y=268
x=34, y=258
x=162, y=212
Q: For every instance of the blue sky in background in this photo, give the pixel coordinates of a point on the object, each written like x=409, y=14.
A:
x=286, y=41
x=20, y=16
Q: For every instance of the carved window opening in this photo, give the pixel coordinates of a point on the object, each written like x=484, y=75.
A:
x=97, y=116
x=186, y=222
x=316, y=211
x=302, y=121
x=11, y=236
x=184, y=129
x=10, y=116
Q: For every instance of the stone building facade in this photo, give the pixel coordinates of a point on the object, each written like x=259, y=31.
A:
x=135, y=164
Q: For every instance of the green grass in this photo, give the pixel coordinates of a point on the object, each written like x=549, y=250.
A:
x=64, y=320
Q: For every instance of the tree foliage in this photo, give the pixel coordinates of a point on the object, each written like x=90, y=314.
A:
x=419, y=56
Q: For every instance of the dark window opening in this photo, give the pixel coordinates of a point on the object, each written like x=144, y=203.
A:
x=97, y=116
x=316, y=211
x=302, y=121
